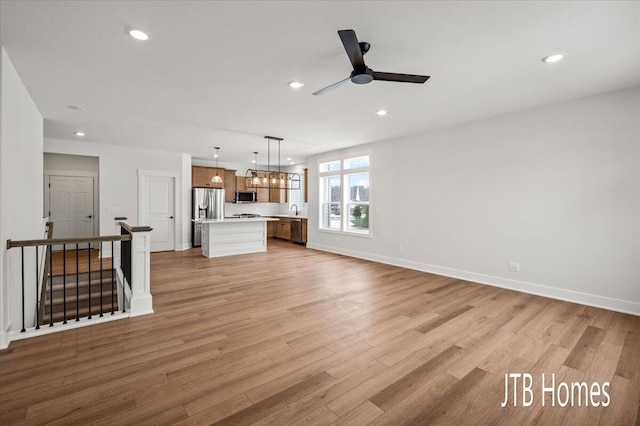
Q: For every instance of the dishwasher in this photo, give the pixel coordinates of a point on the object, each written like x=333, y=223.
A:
x=296, y=231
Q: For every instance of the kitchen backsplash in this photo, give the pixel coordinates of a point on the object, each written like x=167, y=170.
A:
x=264, y=209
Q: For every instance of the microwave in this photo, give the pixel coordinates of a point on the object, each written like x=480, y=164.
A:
x=246, y=197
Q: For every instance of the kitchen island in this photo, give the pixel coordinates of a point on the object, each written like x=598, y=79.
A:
x=235, y=235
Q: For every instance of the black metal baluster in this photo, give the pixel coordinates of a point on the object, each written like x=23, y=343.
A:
x=77, y=285
x=37, y=292
x=124, y=276
x=64, y=283
x=89, y=251
x=112, y=277
x=50, y=285
x=22, y=257
x=101, y=257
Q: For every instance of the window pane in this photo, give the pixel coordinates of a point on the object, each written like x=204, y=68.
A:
x=354, y=163
x=359, y=187
x=331, y=166
x=330, y=198
x=333, y=216
x=359, y=217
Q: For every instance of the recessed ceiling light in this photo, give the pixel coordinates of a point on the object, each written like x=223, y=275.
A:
x=137, y=34
x=381, y=112
x=553, y=58
x=291, y=163
x=79, y=133
x=296, y=84
x=289, y=159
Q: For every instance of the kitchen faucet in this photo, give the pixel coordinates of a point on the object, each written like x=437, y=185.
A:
x=292, y=206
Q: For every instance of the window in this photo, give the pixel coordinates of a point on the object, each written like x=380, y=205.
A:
x=345, y=195
x=297, y=196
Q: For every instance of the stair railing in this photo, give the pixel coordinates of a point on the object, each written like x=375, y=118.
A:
x=127, y=291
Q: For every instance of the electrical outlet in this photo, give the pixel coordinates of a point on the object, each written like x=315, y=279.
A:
x=514, y=267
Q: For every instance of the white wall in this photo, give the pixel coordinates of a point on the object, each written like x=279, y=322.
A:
x=20, y=193
x=74, y=163
x=119, y=180
x=556, y=189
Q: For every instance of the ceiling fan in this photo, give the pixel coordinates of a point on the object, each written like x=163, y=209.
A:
x=361, y=73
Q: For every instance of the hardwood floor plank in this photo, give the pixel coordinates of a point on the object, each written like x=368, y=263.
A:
x=447, y=316
x=408, y=408
x=322, y=396
x=389, y=396
x=322, y=416
x=630, y=358
x=361, y=415
x=250, y=414
x=218, y=412
x=582, y=354
x=443, y=404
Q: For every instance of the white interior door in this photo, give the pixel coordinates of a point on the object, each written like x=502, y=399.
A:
x=159, y=205
x=71, y=206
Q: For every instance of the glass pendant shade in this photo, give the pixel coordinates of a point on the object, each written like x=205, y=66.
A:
x=217, y=178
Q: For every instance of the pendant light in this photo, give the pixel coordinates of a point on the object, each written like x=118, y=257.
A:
x=255, y=180
x=217, y=178
x=273, y=179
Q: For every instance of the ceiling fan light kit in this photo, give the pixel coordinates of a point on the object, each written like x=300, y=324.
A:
x=361, y=73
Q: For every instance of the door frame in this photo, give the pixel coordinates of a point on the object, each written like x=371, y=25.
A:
x=177, y=212
x=74, y=173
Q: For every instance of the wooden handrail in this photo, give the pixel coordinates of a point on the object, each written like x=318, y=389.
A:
x=131, y=229
x=57, y=241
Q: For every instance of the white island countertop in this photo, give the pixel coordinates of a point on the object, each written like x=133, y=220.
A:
x=235, y=220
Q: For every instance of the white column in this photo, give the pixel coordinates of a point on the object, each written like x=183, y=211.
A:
x=141, y=299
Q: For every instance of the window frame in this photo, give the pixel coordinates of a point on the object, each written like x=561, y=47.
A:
x=345, y=200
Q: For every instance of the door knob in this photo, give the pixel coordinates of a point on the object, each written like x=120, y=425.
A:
x=170, y=217
x=89, y=216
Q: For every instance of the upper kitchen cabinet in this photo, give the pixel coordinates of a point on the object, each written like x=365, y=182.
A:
x=201, y=177
x=229, y=185
x=241, y=183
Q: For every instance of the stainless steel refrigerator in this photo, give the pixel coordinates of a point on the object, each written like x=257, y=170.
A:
x=207, y=203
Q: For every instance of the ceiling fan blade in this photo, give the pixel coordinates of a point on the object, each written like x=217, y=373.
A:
x=401, y=78
x=331, y=87
x=351, y=45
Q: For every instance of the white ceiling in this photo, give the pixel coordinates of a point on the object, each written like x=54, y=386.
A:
x=216, y=73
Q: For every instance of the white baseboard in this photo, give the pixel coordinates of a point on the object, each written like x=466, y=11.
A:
x=4, y=337
x=60, y=327
x=183, y=247
x=597, y=301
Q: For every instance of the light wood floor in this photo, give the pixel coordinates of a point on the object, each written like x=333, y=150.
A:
x=300, y=336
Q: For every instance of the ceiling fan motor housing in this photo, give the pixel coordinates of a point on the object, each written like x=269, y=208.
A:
x=362, y=75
